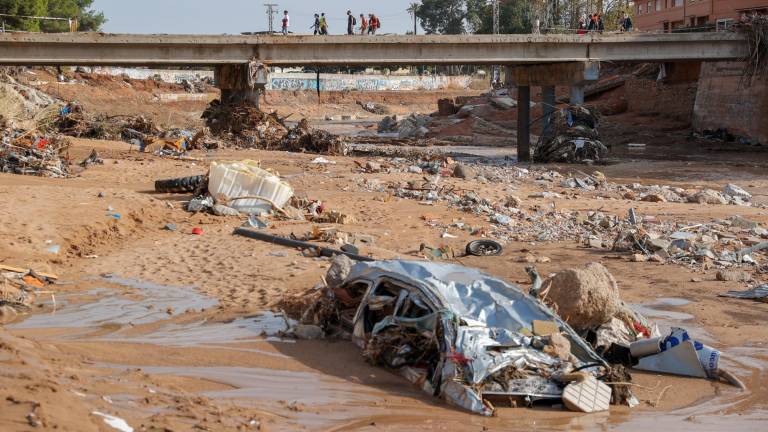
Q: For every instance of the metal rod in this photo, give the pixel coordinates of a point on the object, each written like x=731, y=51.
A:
x=283, y=241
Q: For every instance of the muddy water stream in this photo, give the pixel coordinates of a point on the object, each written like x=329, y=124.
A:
x=116, y=310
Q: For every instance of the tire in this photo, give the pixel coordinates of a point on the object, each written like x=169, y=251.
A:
x=179, y=185
x=484, y=248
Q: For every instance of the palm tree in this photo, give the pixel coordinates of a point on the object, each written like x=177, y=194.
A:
x=413, y=9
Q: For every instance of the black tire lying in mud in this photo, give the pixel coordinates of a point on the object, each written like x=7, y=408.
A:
x=179, y=185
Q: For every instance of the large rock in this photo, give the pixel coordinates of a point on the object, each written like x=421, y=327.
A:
x=735, y=191
x=708, y=196
x=464, y=171
x=339, y=271
x=585, y=298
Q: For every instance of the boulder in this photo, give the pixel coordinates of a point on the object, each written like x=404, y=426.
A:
x=735, y=191
x=464, y=171
x=733, y=276
x=338, y=271
x=707, y=196
x=586, y=298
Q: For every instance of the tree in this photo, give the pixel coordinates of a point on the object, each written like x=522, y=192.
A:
x=515, y=16
x=26, y=8
x=442, y=16
x=413, y=9
x=87, y=18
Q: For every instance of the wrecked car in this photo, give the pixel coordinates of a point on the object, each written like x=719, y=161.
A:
x=459, y=334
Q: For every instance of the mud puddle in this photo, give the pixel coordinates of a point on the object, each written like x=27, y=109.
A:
x=323, y=399
x=139, y=302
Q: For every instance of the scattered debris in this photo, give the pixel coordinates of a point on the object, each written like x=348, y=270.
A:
x=28, y=154
x=571, y=137
x=484, y=248
x=373, y=107
x=758, y=293
x=20, y=289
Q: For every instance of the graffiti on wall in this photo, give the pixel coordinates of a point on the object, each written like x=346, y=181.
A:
x=295, y=82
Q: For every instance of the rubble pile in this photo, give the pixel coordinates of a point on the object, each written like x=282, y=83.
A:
x=24, y=153
x=73, y=120
x=413, y=126
x=303, y=138
x=244, y=125
x=571, y=137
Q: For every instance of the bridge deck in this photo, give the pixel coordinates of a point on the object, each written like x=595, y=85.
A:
x=207, y=50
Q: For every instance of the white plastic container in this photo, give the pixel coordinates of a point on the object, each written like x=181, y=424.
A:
x=246, y=179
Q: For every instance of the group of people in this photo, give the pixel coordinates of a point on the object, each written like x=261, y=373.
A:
x=367, y=25
x=594, y=23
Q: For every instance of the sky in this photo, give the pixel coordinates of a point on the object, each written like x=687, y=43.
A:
x=237, y=16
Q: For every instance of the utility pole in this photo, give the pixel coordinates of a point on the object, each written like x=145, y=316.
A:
x=496, y=79
x=271, y=12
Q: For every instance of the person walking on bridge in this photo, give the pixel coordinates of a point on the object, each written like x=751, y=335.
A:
x=316, y=25
x=373, y=24
x=323, y=24
x=351, y=23
x=363, y=24
x=285, y=23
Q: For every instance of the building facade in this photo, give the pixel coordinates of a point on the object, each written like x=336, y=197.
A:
x=671, y=15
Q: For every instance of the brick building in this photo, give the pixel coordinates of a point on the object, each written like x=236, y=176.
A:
x=668, y=15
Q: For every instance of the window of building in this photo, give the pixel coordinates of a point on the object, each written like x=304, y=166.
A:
x=649, y=7
x=677, y=3
x=658, y=5
x=723, y=24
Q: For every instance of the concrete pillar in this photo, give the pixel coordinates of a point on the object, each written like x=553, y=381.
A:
x=548, y=96
x=523, y=122
x=241, y=82
x=577, y=94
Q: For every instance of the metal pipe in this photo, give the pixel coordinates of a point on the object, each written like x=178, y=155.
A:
x=283, y=241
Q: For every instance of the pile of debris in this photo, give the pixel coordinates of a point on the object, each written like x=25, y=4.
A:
x=244, y=125
x=19, y=290
x=303, y=138
x=570, y=136
x=413, y=126
x=755, y=29
x=476, y=341
x=22, y=152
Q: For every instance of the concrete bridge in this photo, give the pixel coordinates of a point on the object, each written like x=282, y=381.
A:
x=92, y=49
x=532, y=60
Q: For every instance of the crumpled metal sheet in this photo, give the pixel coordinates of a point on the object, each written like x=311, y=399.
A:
x=487, y=315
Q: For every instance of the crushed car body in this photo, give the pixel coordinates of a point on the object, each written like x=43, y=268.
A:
x=461, y=335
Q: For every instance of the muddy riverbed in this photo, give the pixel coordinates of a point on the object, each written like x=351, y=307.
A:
x=165, y=329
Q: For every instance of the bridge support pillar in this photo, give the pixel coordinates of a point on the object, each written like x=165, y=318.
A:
x=546, y=76
x=548, y=99
x=241, y=82
x=523, y=123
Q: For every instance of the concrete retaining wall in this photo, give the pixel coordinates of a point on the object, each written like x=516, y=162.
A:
x=302, y=81
x=721, y=102
x=166, y=75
